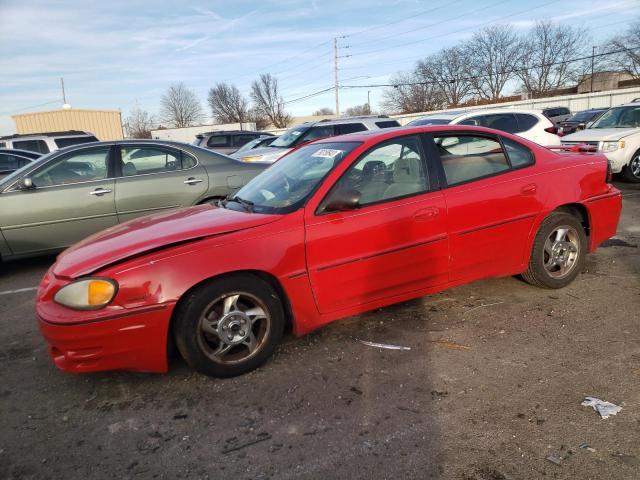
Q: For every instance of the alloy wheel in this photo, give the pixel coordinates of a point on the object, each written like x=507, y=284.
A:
x=561, y=251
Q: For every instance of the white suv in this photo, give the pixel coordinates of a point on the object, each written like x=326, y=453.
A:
x=529, y=124
x=46, y=142
x=616, y=134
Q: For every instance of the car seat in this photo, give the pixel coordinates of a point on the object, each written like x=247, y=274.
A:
x=129, y=169
x=407, y=178
x=373, y=183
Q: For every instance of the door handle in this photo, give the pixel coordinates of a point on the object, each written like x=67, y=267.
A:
x=192, y=181
x=530, y=189
x=100, y=191
x=426, y=214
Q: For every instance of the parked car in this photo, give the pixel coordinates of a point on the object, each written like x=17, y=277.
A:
x=616, y=134
x=309, y=131
x=337, y=227
x=46, y=142
x=557, y=114
x=227, y=141
x=529, y=124
x=259, y=142
x=80, y=190
x=12, y=160
x=579, y=121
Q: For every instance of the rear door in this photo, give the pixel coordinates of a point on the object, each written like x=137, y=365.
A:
x=393, y=244
x=73, y=198
x=154, y=178
x=492, y=196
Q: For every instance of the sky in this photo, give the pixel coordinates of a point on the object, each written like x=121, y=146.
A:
x=117, y=54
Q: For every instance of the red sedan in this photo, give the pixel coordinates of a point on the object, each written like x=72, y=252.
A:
x=337, y=227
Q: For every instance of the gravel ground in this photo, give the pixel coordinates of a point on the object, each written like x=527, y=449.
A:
x=491, y=389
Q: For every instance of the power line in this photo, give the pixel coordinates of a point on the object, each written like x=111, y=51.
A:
x=8, y=112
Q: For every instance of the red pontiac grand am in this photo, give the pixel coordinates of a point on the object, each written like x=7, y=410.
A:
x=337, y=227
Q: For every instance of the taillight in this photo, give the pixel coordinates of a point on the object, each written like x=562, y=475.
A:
x=552, y=129
x=609, y=177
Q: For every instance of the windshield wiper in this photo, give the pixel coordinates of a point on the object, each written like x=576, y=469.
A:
x=247, y=204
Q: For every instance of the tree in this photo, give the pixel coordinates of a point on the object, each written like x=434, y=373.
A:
x=411, y=94
x=139, y=123
x=358, y=110
x=629, y=59
x=227, y=104
x=449, y=69
x=268, y=101
x=180, y=107
x=546, y=50
x=323, y=111
x=256, y=116
x=494, y=54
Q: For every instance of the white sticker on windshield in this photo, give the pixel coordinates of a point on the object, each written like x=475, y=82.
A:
x=327, y=153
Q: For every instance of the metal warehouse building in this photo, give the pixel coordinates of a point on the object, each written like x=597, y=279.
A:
x=104, y=124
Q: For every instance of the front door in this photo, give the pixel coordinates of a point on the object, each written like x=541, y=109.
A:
x=394, y=243
x=156, y=178
x=73, y=197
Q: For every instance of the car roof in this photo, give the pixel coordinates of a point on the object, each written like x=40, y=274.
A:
x=227, y=132
x=19, y=152
x=67, y=133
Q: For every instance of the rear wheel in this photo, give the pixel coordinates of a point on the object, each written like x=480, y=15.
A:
x=558, y=252
x=631, y=171
x=229, y=326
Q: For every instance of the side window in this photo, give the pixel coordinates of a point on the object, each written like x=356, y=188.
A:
x=391, y=170
x=477, y=121
x=525, y=122
x=8, y=163
x=3, y=144
x=218, y=141
x=469, y=157
x=349, y=128
x=240, y=140
x=387, y=124
x=145, y=160
x=313, y=133
x=188, y=161
x=83, y=166
x=31, y=145
x=518, y=154
x=505, y=122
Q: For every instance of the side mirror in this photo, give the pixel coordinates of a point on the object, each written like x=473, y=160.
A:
x=343, y=199
x=582, y=126
x=26, y=183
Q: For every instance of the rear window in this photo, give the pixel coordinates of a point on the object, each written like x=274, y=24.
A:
x=387, y=124
x=68, y=141
x=240, y=140
x=584, y=116
x=31, y=145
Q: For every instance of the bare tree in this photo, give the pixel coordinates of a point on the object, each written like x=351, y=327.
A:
x=227, y=104
x=268, y=101
x=629, y=59
x=412, y=94
x=180, y=107
x=546, y=53
x=323, y=111
x=358, y=110
x=139, y=123
x=260, y=119
x=494, y=54
x=449, y=69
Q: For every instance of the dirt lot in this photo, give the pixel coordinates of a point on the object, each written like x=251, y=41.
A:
x=491, y=387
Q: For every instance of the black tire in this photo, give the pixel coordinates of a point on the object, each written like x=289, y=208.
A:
x=536, y=273
x=633, y=165
x=193, y=342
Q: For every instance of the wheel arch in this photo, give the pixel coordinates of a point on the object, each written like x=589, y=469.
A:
x=261, y=274
x=579, y=211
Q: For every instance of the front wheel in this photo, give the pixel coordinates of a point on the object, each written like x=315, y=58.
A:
x=229, y=326
x=631, y=171
x=558, y=252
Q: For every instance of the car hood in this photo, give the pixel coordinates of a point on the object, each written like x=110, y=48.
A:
x=600, y=134
x=152, y=232
x=269, y=154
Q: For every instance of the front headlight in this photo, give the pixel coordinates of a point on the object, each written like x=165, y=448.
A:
x=87, y=294
x=251, y=158
x=609, y=146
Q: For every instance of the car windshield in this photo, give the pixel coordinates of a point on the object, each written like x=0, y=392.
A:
x=5, y=181
x=619, y=117
x=430, y=121
x=251, y=144
x=583, y=116
x=288, y=183
x=289, y=138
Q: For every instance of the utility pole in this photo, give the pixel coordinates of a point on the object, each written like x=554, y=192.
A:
x=369, y=101
x=593, y=55
x=64, y=96
x=335, y=73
